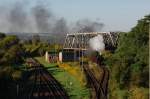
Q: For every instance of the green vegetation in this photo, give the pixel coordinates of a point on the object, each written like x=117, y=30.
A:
x=70, y=83
x=35, y=47
x=129, y=65
x=11, y=52
x=9, y=49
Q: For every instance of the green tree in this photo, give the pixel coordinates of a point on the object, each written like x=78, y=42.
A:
x=2, y=35
x=129, y=64
x=35, y=39
x=10, y=50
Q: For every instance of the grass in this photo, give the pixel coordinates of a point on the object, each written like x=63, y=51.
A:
x=70, y=82
x=74, y=69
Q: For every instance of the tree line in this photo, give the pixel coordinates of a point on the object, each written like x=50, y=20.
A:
x=129, y=64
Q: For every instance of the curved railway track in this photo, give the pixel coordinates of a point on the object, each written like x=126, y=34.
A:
x=40, y=84
x=99, y=86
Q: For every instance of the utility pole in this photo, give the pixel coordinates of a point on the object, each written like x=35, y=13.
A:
x=149, y=46
x=17, y=89
x=148, y=21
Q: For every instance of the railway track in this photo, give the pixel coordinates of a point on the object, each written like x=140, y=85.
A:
x=40, y=84
x=99, y=85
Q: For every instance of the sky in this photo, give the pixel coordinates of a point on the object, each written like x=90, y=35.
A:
x=117, y=15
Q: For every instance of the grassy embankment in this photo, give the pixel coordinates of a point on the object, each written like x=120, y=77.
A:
x=70, y=77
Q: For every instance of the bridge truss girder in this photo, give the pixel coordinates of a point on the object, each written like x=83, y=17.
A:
x=80, y=41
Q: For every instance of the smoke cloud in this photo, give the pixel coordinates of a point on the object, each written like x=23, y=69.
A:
x=60, y=27
x=87, y=25
x=42, y=18
x=97, y=43
x=17, y=18
x=22, y=16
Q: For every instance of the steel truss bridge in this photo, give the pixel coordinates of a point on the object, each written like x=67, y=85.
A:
x=80, y=41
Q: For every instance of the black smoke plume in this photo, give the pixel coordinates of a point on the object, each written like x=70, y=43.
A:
x=17, y=18
x=87, y=25
x=42, y=18
x=38, y=18
x=60, y=27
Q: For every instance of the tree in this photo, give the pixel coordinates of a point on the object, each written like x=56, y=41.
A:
x=10, y=50
x=2, y=35
x=35, y=39
x=13, y=55
x=129, y=64
x=8, y=41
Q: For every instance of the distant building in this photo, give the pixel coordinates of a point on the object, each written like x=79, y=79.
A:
x=70, y=55
x=51, y=56
x=63, y=56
